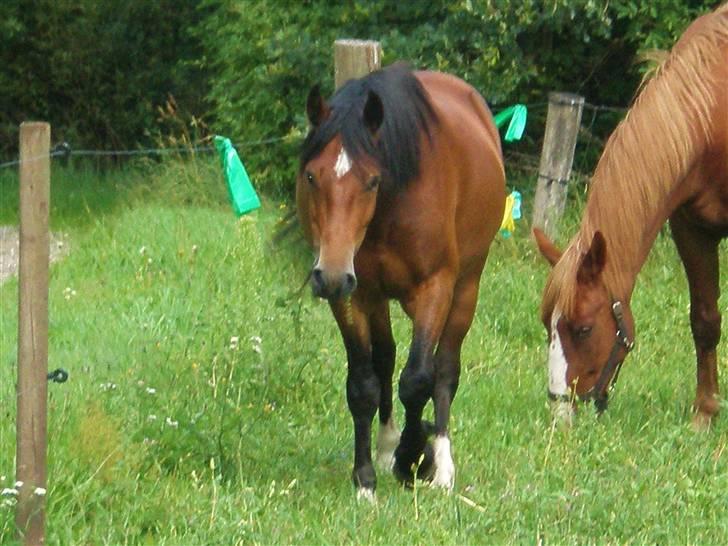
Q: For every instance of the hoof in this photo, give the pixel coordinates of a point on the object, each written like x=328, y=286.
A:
x=406, y=470
x=701, y=422
x=366, y=495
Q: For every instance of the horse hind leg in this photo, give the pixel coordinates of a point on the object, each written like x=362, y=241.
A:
x=699, y=253
x=447, y=376
x=383, y=357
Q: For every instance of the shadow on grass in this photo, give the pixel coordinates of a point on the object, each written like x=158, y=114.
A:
x=81, y=194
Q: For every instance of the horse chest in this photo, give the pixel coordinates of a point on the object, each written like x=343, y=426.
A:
x=384, y=271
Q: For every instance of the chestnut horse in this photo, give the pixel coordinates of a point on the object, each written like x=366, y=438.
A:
x=667, y=159
x=400, y=192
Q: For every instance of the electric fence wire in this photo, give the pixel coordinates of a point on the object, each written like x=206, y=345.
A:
x=64, y=149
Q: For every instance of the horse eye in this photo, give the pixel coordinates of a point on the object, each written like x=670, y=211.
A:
x=583, y=332
x=310, y=179
x=372, y=183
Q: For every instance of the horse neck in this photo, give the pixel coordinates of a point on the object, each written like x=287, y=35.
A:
x=629, y=239
x=633, y=194
x=642, y=177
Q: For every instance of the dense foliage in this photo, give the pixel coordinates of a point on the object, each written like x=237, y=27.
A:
x=99, y=71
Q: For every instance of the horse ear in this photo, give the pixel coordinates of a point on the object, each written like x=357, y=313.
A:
x=593, y=261
x=316, y=108
x=546, y=247
x=373, y=112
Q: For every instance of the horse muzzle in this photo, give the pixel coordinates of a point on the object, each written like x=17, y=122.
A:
x=332, y=286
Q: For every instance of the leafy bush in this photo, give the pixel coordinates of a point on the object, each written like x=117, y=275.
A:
x=266, y=55
x=97, y=71
x=102, y=72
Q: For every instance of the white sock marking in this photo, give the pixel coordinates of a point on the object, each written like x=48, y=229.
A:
x=343, y=163
x=387, y=442
x=366, y=494
x=444, y=467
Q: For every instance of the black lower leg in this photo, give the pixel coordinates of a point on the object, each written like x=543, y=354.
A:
x=362, y=393
x=446, y=385
x=383, y=357
x=415, y=390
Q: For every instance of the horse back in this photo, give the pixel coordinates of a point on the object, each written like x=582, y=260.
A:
x=708, y=180
x=465, y=166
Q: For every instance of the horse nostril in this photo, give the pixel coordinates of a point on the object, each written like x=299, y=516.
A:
x=317, y=279
x=349, y=283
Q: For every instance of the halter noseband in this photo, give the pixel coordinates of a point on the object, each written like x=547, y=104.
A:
x=611, y=368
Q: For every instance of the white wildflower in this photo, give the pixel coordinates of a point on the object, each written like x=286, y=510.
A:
x=18, y=484
x=40, y=491
x=151, y=390
x=8, y=491
x=257, y=341
x=151, y=417
x=234, y=341
x=143, y=250
x=171, y=422
x=69, y=293
x=107, y=386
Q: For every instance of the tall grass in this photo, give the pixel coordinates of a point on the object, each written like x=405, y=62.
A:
x=206, y=403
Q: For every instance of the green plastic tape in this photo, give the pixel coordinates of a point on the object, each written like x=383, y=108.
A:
x=241, y=192
x=517, y=114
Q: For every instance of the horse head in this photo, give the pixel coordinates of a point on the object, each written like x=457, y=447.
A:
x=336, y=195
x=589, y=331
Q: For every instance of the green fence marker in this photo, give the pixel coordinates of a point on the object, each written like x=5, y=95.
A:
x=241, y=192
x=517, y=114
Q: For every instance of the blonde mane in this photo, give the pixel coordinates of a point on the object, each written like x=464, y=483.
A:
x=650, y=151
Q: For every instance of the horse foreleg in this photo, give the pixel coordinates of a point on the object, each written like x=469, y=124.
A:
x=447, y=374
x=699, y=253
x=362, y=391
x=383, y=357
x=428, y=309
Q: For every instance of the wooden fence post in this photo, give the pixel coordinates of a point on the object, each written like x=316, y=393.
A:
x=557, y=156
x=354, y=59
x=32, y=385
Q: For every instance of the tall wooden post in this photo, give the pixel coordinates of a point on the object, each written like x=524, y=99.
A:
x=557, y=156
x=32, y=385
x=354, y=59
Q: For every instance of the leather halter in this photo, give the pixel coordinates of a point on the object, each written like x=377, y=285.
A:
x=608, y=378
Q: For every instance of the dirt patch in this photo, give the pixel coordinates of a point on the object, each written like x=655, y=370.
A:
x=9, y=250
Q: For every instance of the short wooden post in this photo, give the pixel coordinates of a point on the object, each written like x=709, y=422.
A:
x=557, y=156
x=354, y=59
x=32, y=385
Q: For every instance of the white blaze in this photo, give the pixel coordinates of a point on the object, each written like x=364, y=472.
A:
x=557, y=360
x=343, y=163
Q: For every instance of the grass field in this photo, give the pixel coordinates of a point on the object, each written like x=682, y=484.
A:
x=206, y=399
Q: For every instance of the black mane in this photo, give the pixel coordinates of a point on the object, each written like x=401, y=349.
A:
x=407, y=113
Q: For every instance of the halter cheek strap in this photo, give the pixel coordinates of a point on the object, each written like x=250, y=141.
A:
x=610, y=371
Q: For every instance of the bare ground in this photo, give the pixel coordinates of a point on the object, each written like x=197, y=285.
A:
x=9, y=250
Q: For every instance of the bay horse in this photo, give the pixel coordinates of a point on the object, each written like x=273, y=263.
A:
x=400, y=192
x=668, y=159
